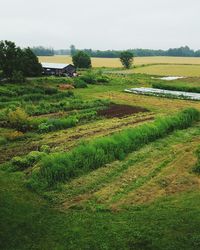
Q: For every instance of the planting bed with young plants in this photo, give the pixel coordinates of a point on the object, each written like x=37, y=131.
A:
x=85, y=165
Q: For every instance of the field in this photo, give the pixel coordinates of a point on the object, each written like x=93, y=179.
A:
x=177, y=66
x=98, y=168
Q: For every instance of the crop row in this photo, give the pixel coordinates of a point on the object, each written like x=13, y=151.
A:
x=177, y=87
x=86, y=157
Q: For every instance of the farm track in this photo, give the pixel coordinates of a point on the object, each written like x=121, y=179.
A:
x=64, y=140
x=159, y=169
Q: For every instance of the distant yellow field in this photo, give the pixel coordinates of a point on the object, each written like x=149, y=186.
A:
x=179, y=70
x=170, y=70
x=115, y=62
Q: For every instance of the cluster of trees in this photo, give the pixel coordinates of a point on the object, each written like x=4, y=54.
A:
x=81, y=59
x=42, y=51
x=17, y=63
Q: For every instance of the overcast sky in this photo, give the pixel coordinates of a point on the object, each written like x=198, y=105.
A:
x=101, y=24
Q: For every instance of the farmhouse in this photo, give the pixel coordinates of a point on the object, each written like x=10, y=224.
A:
x=58, y=69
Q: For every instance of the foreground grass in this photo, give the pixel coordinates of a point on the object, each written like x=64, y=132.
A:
x=28, y=222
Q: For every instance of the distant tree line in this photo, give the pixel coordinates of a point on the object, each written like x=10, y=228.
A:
x=42, y=51
x=182, y=51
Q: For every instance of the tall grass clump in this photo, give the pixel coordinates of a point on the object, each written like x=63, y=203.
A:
x=60, y=167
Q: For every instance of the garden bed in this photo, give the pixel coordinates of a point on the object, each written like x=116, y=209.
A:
x=119, y=110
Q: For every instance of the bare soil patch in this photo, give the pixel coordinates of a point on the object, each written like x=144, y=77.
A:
x=118, y=110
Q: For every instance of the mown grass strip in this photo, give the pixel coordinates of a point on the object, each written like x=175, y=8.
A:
x=60, y=167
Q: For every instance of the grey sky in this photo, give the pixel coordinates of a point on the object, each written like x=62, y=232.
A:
x=101, y=24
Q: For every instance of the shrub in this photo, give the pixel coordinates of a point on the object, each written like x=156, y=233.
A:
x=17, y=77
x=102, y=79
x=21, y=163
x=44, y=128
x=50, y=91
x=45, y=149
x=18, y=119
x=81, y=60
x=89, y=77
x=78, y=83
x=14, y=135
x=3, y=140
x=65, y=166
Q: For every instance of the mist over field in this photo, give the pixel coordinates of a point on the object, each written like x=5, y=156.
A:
x=101, y=24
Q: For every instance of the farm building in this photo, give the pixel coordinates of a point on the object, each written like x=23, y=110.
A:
x=58, y=69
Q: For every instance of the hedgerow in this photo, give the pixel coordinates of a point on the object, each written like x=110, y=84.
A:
x=60, y=167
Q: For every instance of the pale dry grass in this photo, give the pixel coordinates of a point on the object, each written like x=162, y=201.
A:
x=169, y=70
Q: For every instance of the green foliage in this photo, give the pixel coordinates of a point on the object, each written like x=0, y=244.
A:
x=18, y=119
x=65, y=166
x=3, y=140
x=89, y=77
x=17, y=63
x=81, y=60
x=17, y=77
x=45, y=149
x=21, y=163
x=126, y=58
x=196, y=168
x=79, y=83
x=177, y=87
x=56, y=124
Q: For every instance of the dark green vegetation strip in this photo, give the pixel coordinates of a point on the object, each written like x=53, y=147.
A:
x=86, y=157
x=178, y=87
x=196, y=168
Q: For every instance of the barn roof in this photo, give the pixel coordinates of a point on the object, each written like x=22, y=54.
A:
x=54, y=65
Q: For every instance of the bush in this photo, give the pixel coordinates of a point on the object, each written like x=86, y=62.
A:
x=45, y=149
x=18, y=119
x=65, y=166
x=14, y=135
x=103, y=79
x=3, y=140
x=81, y=60
x=50, y=91
x=17, y=77
x=89, y=77
x=78, y=83
x=21, y=163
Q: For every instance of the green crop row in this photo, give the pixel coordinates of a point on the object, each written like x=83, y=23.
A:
x=177, y=87
x=60, y=167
